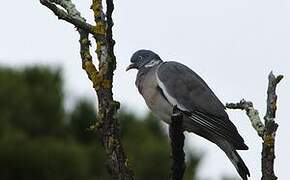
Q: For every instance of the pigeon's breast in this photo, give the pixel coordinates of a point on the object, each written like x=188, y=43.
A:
x=148, y=88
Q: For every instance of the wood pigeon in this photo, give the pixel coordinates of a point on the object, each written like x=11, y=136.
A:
x=164, y=85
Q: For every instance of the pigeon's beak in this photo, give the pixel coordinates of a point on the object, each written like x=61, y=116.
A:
x=131, y=66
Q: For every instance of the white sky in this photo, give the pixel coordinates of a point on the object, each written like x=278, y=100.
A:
x=232, y=44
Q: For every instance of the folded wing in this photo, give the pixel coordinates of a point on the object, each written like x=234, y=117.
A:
x=184, y=88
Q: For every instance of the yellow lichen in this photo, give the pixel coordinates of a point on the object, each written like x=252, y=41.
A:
x=100, y=28
x=274, y=106
x=90, y=68
x=98, y=78
x=106, y=84
x=97, y=6
x=87, y=56
x=268, y=140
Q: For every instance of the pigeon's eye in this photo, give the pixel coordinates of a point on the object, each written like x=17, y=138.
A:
x=140, y=57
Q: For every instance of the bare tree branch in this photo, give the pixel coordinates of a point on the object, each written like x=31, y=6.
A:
x=107, y=122
x=266, y=131
x=177, y=143
x=71, y=15
x=268, y=152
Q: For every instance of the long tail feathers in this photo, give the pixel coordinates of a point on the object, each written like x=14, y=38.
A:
x=194, y=125
x=241, y=167
x=235, y=158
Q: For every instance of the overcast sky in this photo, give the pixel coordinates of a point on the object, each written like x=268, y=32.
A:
x=232, y=44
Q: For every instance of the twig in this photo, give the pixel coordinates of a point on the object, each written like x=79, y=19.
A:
x=266, y=131
x=252, y=113
x=177, y=143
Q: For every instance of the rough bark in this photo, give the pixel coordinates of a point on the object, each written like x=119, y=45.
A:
x=102, y=78
x=266, y=131
x=177, y=143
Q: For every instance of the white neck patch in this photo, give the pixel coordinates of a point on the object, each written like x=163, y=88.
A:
x=152, y=63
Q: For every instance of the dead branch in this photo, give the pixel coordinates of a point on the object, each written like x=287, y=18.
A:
x=177, y=143
x=266, y=130
x=102, y=78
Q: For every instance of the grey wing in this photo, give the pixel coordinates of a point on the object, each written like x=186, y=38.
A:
x=184, y=88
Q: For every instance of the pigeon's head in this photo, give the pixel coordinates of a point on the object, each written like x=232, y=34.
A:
x=143, y=59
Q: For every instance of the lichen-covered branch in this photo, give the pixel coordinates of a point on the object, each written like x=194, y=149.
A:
x=252, y=113
x=266, y=131
x=87, y=61
x=268, y=152
x=71, y=15
x=108, y=123
x=102, y=78
x=177, y=143
x=272, y=97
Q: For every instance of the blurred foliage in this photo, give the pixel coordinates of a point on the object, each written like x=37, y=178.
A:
x=39, y=140
x=32, y=101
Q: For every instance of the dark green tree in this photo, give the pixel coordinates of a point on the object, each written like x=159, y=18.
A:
x=31, y=100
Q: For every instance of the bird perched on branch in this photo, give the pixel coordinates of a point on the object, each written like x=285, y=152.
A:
x=164, y=85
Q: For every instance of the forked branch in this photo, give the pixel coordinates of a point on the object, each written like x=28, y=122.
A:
x=102, y=78
x=266, y=130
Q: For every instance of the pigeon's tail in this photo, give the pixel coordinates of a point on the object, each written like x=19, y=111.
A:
x=229, y=148
x=235, y=158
